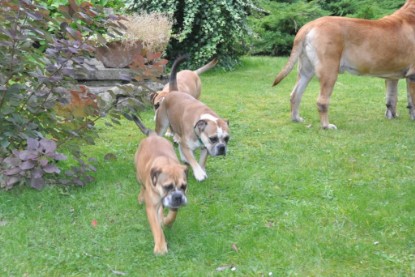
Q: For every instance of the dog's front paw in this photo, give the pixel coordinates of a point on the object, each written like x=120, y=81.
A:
x=330, y=127
x=200, y=174
x=160, y=249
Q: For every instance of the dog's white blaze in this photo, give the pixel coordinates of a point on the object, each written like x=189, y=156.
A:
x=309, y=49
x=207, y=116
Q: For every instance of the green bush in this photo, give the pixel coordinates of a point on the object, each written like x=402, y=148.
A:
x=275, y=31
x=204, y=28
x=43, y=112
x=368, y=9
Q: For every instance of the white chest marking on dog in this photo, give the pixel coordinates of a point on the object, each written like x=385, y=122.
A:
x=207, y=116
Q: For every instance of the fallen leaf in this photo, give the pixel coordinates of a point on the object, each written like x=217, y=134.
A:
x=224, y=267
x=116, y=272
x=110, y=157
x=269, y=224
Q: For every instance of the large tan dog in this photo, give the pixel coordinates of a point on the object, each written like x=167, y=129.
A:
x=194, y=125
x=383, y=48
x=164, y=182
x=187, y=81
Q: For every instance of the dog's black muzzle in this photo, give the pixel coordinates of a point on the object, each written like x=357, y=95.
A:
x=177, y=199
x=221, y=149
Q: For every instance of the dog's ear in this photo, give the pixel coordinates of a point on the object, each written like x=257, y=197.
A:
x=154, y=174
x=152, y=97
x=200, y=126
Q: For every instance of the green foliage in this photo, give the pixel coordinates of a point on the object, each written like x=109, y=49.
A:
x=204, y=28
x=368, y=9
x=114, y=4
x=275, y=32
x=42, y=109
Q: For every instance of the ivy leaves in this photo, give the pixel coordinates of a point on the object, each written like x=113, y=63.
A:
x=204, y=29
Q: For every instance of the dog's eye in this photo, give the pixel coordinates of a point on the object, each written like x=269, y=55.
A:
x=214, y=139
x=226, y=139
x=183, y=187
x=156, y=106
x=169, y=187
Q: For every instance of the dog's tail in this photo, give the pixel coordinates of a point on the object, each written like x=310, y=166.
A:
x=295, y=53
x=207, y=66
x=139, y=123
x=173, y=73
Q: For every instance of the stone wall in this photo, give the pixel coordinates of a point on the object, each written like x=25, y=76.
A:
x=107, y=83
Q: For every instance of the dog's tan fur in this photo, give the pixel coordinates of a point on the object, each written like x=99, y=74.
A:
x=383, y=48
x=162, y=176
x=188, y=81
x=194, y=125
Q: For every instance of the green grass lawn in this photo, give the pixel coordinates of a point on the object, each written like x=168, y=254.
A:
x=289, y=199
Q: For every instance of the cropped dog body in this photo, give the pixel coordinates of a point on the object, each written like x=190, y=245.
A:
x=195, y=125
x=327, y=46
x=188, y=81
x=164, y=183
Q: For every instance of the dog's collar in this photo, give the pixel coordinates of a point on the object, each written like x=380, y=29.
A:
x=199, y=140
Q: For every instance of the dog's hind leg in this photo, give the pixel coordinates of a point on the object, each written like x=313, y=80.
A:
x=323, y=101
x=305, y=73
x=326, y=72
x=410, y=86
x=392, y=97
x=162, y=121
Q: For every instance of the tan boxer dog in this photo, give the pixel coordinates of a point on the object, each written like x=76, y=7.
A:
x=187, y=81
x=164, y=182
x=330, y=45
x=194, y=126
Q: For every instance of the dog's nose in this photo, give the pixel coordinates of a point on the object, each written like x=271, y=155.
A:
x=221, y=149
x=177, y=199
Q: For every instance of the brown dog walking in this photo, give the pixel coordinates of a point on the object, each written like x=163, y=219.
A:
x=194, y=125
x=329, y=45
x=164, y=182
